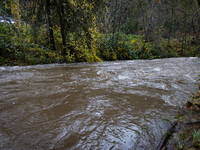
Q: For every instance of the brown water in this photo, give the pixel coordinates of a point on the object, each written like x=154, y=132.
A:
x=109, y=105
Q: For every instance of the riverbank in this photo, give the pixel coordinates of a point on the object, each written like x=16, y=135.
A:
x=19, y=52
x=187, y=131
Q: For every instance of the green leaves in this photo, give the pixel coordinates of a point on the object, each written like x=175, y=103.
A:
x=116, y=48
x=198, y=79
x=196, y=136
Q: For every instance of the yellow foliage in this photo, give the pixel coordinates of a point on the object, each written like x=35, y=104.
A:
x=133, y=41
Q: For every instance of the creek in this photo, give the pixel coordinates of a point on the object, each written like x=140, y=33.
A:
x=108, y=105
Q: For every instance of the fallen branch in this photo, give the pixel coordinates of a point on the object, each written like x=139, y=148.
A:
x=166, y=136
x=197, y=121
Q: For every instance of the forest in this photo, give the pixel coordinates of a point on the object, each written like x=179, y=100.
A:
x=57, y=31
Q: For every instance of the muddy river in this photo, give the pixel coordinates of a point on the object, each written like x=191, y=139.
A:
x=109, y=105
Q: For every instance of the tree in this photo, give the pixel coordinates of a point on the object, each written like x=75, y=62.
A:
x=50, y=27
x=153, y=3
x=75, y=17
x=198, y=1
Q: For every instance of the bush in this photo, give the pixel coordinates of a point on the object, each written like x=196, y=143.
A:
x=115, y=48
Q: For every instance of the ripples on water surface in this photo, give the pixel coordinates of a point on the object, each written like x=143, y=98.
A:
x=109, y=105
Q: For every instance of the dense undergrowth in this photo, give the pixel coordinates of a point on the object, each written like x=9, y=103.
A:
x=18, y=47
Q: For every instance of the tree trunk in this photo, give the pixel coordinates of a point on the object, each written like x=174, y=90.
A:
x=50, y=27
x=61, y=15
x=35, y=32
x=114, y=20
x=120, y=17
x=198, y=1
x=148, y=27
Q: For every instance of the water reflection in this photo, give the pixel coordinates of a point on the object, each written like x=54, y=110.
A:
x=109, y=105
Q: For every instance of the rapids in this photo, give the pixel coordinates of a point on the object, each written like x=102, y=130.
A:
x=109, y=105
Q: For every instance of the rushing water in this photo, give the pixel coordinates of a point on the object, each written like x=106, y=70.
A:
x=109, y=105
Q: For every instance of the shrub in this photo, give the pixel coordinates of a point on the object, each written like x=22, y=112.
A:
x=115, y=48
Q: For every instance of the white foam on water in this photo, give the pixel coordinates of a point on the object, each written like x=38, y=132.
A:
x=123, y=77
x=99, y=72
x=156, y=69
x=190, y=78
x=2, y=68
